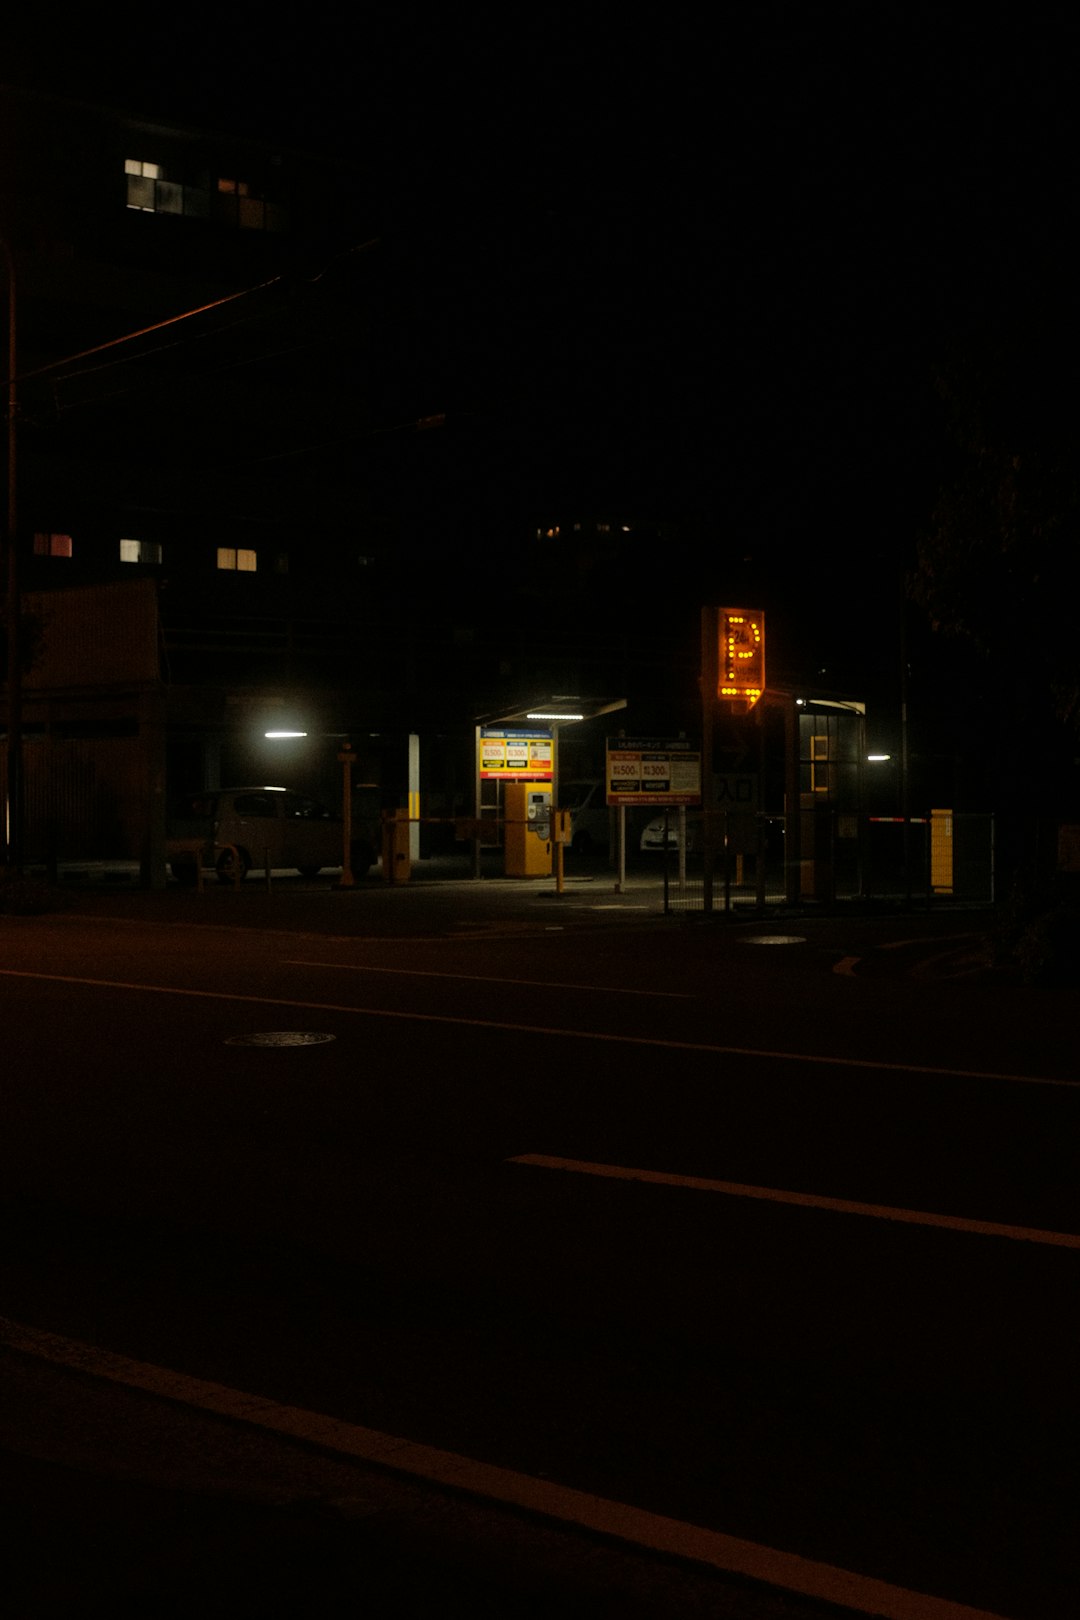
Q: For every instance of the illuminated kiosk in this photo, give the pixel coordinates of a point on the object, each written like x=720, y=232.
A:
x=517, y=759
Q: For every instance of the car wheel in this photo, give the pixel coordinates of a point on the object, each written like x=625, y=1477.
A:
x=225, y=869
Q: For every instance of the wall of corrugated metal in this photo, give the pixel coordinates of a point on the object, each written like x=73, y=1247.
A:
x=87, y=753
x=83, y=798
x=100, y=635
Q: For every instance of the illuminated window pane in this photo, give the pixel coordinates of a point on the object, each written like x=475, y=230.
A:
x=52, y=545
x=140, y=193
x=230, y=557
x=140, y=551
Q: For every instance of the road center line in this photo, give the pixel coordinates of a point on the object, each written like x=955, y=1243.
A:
x=562, y=1503
x=486, y=978
x=707, y=1048
x=775, y=1195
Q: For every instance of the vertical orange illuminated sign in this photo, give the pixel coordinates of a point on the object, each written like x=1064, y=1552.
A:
x=741, y=654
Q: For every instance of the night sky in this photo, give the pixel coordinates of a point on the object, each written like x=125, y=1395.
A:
x=670, y=271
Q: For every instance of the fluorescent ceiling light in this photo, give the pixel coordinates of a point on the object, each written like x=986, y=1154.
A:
x=545, y=716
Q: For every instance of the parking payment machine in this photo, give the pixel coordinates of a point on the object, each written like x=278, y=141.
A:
x=527, y=834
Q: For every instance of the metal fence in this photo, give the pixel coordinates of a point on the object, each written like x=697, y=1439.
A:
x=742, y=860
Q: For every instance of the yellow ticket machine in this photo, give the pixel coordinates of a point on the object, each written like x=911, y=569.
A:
x=527, y=828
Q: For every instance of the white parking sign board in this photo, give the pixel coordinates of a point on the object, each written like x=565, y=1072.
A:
x=651, y=770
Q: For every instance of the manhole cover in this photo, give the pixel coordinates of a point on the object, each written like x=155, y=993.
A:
x=774, y=939
x=281, y=1037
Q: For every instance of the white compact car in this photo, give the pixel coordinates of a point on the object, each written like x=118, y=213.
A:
x=663, y=833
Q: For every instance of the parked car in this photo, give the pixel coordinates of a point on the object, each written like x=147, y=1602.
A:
x=747, y=833
x=262, y=828
x=662, y=832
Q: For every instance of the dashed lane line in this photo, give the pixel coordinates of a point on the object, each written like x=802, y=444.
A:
x=777, y=1195
x=730, y=1555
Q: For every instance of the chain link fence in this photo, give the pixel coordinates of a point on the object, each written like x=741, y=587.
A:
x=741, y=859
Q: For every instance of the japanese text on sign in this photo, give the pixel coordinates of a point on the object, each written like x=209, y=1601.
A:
x=515, y=754
x=643, y=770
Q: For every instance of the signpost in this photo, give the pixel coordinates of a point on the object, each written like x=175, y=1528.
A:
x=650, y=771
x=347, y=759
x=741, y=660
x=732, y=681
x=515, y=754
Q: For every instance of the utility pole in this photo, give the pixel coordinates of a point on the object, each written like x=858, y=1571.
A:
x=12, y=608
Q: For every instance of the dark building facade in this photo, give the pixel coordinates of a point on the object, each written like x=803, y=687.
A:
x=220, y=432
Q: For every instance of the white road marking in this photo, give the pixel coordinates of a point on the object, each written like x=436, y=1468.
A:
x=562, y=1503
x=486, y=978
x=708, y=1048
x=776, y=1195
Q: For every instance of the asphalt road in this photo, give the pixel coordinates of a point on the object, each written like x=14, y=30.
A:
x=639, y=1236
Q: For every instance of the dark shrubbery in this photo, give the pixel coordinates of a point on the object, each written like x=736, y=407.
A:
x=1038, y=931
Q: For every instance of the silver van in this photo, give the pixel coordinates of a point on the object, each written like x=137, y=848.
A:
x=237, y=830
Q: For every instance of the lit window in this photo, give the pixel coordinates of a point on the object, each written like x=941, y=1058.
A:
x=230, y=201
x=140, y=551
x=142, y=179
x=819, y=769
x=52, y=545
x=233, y=557
x=238, y=202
